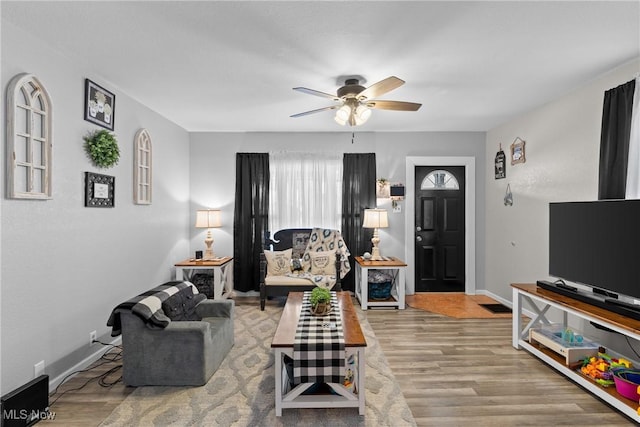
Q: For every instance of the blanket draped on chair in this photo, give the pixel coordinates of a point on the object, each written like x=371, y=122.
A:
x=321, y=240
x=148, y=306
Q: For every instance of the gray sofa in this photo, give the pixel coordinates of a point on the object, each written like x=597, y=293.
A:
x=160, y=351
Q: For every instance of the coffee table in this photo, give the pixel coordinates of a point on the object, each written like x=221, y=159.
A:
x=282, y=344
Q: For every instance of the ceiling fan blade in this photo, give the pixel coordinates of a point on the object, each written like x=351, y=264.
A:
x=393, y=105
x=316, y=93
x=333, y=107
x=382, y=87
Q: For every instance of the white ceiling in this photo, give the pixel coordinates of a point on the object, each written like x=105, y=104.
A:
x=231, y=65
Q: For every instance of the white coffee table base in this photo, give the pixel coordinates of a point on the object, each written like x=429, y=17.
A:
x=293, y=398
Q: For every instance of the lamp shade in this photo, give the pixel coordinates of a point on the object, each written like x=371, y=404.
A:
x=208, y=218
x=375, y=218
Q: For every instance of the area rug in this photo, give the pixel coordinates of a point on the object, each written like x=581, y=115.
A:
x=241, y=392
x=454, y=304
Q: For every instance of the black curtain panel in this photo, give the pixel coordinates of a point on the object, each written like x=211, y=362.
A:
x=614, y=141
x=249, y=218
x=358, y=194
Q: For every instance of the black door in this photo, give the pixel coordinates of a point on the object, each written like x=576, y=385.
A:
x=439, y=229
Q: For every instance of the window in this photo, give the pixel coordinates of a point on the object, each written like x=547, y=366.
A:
x=439, y=180
x=29, y=139
x=142, y=184
x=305, y=190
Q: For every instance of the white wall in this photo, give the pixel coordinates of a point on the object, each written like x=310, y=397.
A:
x=562, y=152
x=212, y=173
x=64, y=266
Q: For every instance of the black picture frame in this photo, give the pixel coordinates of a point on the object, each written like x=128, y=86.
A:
x=99, y=190
x=99, y=105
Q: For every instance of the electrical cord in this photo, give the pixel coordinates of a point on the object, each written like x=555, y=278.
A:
x=107, y=357
x=631, y=347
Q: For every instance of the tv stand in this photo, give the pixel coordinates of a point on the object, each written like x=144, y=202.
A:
x=540, y=301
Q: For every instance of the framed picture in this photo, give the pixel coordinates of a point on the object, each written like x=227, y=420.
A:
x=99, y=190
x=382, y=189
x=517, y=152
x=99, y=105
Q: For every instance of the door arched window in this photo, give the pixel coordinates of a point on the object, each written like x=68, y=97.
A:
x=29, y=139
x=142, y=184
x=439, y=180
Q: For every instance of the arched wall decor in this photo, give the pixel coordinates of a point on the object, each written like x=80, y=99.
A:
x=143, y=164
x=29, y=139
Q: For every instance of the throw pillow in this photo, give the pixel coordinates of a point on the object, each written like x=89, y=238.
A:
x=182, y=305
x=278, y=262
x=323, y=263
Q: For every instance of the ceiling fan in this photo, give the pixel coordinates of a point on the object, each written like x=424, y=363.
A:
x=356, y=101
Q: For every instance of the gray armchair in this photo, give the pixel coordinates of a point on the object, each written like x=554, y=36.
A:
x=183, y=353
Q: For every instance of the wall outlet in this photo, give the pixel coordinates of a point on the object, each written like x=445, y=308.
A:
x=38, y=369
x=92, y=337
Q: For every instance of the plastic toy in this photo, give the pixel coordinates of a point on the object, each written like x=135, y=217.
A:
x=599, y=368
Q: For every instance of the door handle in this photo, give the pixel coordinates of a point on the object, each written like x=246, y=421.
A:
x=418, y=239
x=418, y=228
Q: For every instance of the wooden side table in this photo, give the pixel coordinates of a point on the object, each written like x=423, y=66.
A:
x=222, y=273
x=397, y=287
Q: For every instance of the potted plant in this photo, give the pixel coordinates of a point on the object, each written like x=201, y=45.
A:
x=102, y=148
x=320, y=300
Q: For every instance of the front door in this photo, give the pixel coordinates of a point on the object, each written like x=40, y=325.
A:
x=439, y=229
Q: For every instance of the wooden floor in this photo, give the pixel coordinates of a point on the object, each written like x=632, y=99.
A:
x=452, y=372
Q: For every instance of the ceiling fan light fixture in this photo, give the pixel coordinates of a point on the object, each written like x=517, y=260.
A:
x=362, y=114
x=339, y=120
x=344, y=112
x=356, y=101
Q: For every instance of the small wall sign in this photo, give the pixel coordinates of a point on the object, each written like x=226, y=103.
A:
x=500, y=164
x=517, y=151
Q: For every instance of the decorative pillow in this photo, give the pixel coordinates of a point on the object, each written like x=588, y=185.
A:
x=278, y=262
x=182, y=305
x=323, y=263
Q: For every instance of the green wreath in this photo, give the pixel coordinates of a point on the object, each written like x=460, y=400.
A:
x=102, y=148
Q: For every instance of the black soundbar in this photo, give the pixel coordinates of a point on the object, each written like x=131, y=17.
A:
x=615, y=306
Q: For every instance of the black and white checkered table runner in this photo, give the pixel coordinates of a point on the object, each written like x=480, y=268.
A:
x=318, y=348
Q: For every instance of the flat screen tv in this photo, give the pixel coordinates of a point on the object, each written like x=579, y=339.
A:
x=597, y=244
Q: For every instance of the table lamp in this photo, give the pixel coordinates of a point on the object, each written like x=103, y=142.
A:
x=375, y=218
x=208, y=218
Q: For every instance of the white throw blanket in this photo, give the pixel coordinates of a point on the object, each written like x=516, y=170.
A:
x=321, y=240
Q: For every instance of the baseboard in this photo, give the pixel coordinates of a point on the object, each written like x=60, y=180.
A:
x=495, y=297
x=503, y=301
x=84, y=363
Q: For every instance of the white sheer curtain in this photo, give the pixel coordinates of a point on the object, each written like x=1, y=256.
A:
x=305, y=190
x=633, y=165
